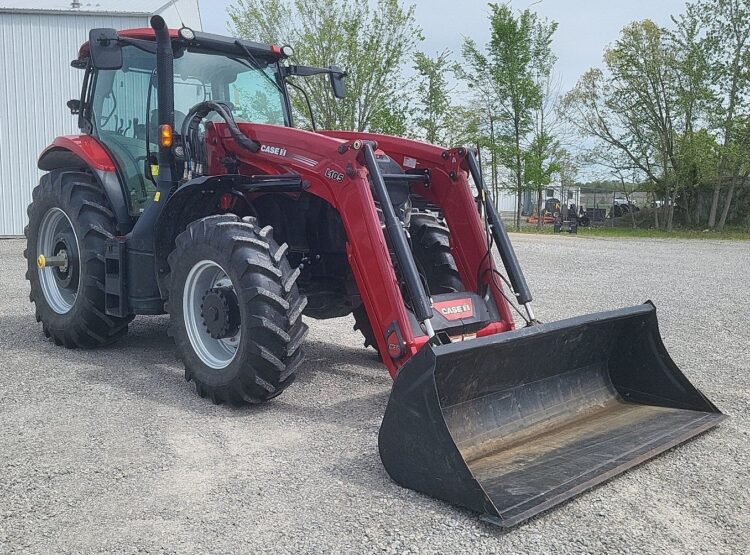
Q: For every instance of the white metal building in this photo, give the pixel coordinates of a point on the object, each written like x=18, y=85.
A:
x=38, y=40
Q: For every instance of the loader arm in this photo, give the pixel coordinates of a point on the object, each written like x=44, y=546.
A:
x=450, y=190
x=314, y=156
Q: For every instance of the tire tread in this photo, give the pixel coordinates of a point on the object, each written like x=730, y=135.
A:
x=78, y=194
x=273, y=348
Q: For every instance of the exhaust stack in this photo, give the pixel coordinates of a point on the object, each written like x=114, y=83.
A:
x=165, y=92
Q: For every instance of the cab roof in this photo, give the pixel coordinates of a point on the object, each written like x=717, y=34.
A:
x=207, y=40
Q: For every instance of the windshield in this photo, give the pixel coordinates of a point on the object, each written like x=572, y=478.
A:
x=123, y=106
x=120, y=99
x=253, y=96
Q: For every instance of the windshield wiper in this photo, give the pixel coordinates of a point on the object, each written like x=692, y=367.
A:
x=307, y=101
x=314, y=71
x=257, y=65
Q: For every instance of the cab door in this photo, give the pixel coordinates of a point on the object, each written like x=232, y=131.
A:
x=119, y=108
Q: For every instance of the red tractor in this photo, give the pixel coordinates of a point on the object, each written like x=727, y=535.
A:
x=189, y=192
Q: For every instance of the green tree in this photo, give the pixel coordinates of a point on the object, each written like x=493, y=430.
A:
x=698, y=155
x=433, y=96
x=540, y=164
x=727, y=29
x=674, y=102
x=694, y=145
x=689, y=46
x=464, y=126
x=635, y=107
x=506, y=75
x=544, y=153
x=391, y=119
x=369, y=40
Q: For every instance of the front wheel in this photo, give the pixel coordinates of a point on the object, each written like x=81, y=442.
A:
x=236, y=312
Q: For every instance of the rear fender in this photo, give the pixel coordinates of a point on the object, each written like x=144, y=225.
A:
x=84, y=151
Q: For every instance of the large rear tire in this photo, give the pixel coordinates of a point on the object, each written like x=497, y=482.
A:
x=235, y=310
x=69, y=217
x=432, y=252
x=430, y=244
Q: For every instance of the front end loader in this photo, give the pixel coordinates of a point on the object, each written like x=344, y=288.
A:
x=190, y=192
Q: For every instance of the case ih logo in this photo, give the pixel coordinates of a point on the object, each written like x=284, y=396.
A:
x=333, y=174
x=456, y=309
x=277, y=150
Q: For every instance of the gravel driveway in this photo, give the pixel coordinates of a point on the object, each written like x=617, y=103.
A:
x=112, y=451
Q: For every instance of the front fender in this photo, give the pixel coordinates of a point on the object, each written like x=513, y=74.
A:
x=199, y=198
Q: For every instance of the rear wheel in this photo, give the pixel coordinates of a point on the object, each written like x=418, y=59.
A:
x=430, y=244
x=69, y=222
x=432, y=252
x=236, y=312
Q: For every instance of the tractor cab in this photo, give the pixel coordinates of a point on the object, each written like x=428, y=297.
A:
x=118, y=102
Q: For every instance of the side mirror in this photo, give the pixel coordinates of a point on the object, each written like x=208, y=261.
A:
x=337, y=81
x=74, y=105
x=106, y=52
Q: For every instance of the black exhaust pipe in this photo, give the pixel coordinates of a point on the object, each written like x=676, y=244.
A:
x=145, y=297
x=142, y=237
x=165, y=93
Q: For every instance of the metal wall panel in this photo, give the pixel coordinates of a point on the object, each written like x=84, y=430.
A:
x=506, y=200
x=35, y=83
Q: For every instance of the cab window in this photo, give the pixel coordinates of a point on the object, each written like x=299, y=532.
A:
x=124, y=119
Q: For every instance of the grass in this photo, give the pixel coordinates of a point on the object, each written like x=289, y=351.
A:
x=732, y=234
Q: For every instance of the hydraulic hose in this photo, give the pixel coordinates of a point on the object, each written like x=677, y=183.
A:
x=202, y=109
x=507, y=254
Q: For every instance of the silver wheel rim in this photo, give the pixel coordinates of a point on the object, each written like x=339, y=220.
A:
x=215, y=353
x=59, y=299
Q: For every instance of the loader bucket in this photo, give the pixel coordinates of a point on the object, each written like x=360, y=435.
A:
x=513, y=424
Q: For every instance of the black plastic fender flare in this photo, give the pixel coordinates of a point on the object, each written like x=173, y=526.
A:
x=199, y=198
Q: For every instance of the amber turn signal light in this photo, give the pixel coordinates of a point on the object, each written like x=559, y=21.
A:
x=165, y=135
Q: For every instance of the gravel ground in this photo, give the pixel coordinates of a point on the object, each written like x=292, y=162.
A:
x=112, y=451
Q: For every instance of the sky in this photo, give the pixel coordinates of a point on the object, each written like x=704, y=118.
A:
x=586, y=27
